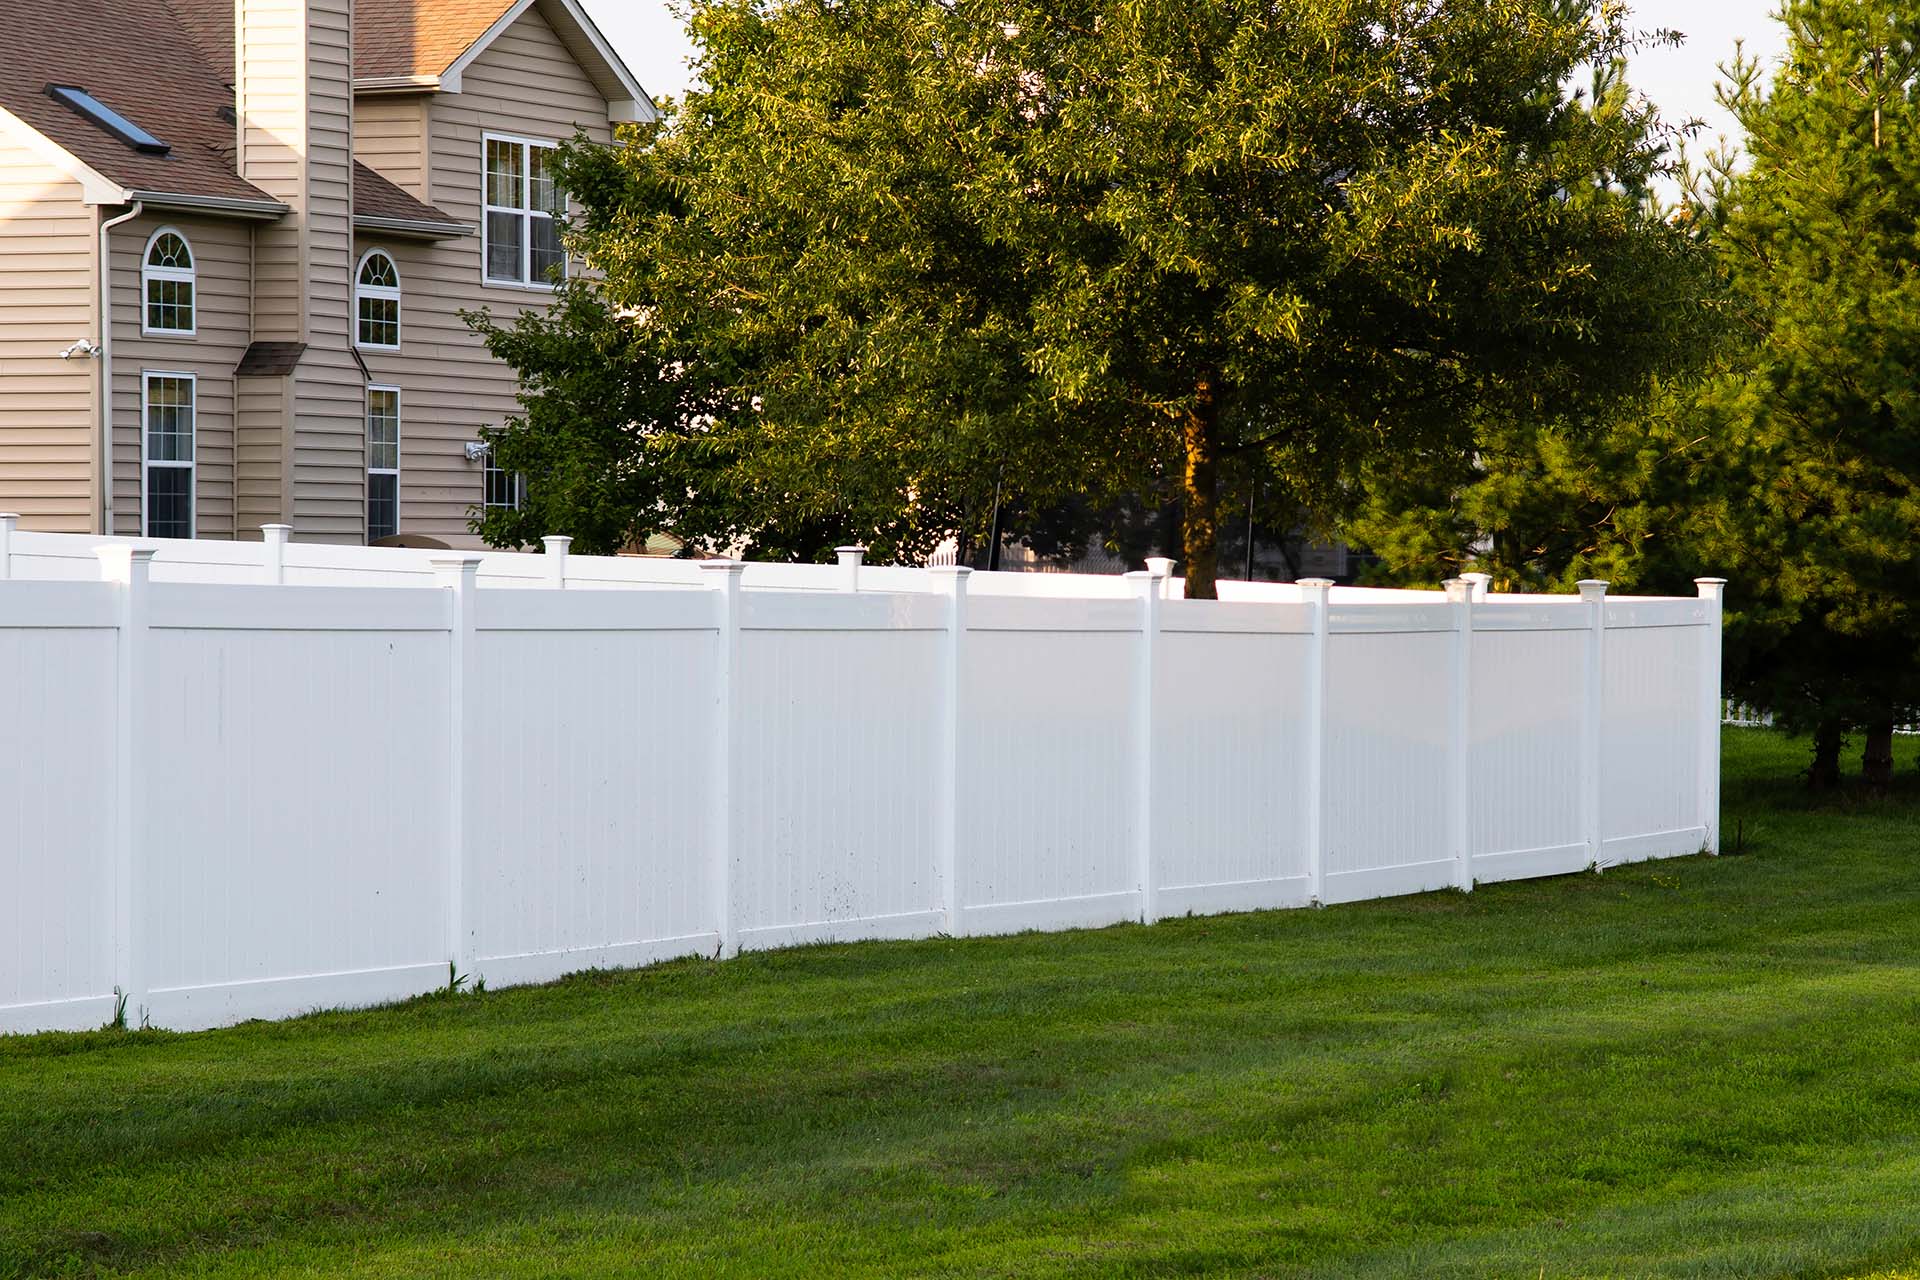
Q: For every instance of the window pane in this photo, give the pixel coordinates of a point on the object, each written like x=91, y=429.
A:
x=169, y=420
x=545, y=193
x=170, y=304
x=379, y=322
x=547, y=252
x=170, y=251
x=504, y=260
x=379, y=272
x=383, y=506
x=169, y=502
x=383, y=430
x=505, y=186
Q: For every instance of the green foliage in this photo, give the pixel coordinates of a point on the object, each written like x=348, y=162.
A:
x=1691, y=1068
x=1791, y=464
x=1116, y=249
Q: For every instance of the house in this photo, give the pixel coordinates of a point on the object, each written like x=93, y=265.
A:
x=235, y=240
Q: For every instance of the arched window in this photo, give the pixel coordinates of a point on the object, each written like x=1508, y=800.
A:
x=166, y=283
x=376, y=302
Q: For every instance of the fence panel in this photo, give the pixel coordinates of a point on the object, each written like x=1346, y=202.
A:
x=835, y=830
x=295, y=758
x=1389, y=676
x=58, y=700
x=1230, y=742
x=1525, y=773
x=1046, y=794
x=1650, y=741
x=588, y=810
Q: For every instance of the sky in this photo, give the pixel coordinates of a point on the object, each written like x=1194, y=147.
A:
x=1680, y=80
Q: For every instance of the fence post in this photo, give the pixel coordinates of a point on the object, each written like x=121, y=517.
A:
x=274, y=538
x=724, y=578
x=1478, y=582
x=1593, y=596
x=558, y=545
x=1148, y=587
x=130, y=568
x=1459, y=735
x=850, y=558
x=952, y=580
x=1317, y=594
x=1712, y=597
x=459, y=574
x=1162, y=568
x=8, y=523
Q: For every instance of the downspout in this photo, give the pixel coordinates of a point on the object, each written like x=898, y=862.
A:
x=106, y=365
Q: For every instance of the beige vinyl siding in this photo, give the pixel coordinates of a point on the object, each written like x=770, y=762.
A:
x=222, y=261
x=270, y=68
x=329, y=463
x=48, y=239
x=390, y=137
x=525, y=85
x=262, y=451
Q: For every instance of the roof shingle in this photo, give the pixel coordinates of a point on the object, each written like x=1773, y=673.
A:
x=136, y=57
x=167, y=65
x=394, y=38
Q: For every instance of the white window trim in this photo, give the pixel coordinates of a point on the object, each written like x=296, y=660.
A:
x=378, y=291
x=188, y=276
x=147, y=463
x=527, y=210
x=399, y=427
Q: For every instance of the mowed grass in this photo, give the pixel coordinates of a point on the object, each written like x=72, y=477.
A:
x=1703, y=1067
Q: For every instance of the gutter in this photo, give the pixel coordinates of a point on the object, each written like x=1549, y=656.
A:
x=265, y=210
x=106, y=362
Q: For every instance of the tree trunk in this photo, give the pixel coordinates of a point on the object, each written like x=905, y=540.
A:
x=1200, y=496
x=1876, y=766
x=1824, y=773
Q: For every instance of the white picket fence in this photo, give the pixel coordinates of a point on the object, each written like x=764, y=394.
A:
x=229, y=790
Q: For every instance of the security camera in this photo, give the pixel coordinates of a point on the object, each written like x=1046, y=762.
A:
x=476, y=450
x=86, y=347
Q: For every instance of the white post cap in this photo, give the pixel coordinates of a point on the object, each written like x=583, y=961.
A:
x=1592, y=588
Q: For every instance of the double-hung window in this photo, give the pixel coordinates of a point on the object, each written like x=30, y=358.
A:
x=383, y=462
x=166, y=286
x=524, y=205
x=166, y=466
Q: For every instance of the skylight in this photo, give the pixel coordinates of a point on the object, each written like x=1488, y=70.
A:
x=107, y=118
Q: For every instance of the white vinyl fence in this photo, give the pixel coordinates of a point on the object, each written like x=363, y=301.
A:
x=228, y=790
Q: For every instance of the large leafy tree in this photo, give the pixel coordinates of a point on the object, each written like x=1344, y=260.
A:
x=1097, y=248
x=1794, y=466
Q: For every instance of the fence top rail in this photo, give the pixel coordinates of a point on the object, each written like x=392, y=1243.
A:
x=66, y=556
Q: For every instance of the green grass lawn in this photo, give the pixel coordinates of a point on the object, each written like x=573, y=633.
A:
x=1705, y=1067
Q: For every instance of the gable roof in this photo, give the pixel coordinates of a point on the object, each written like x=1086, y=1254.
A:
x=426, y=44
x=167, y=65
x=136, y=57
